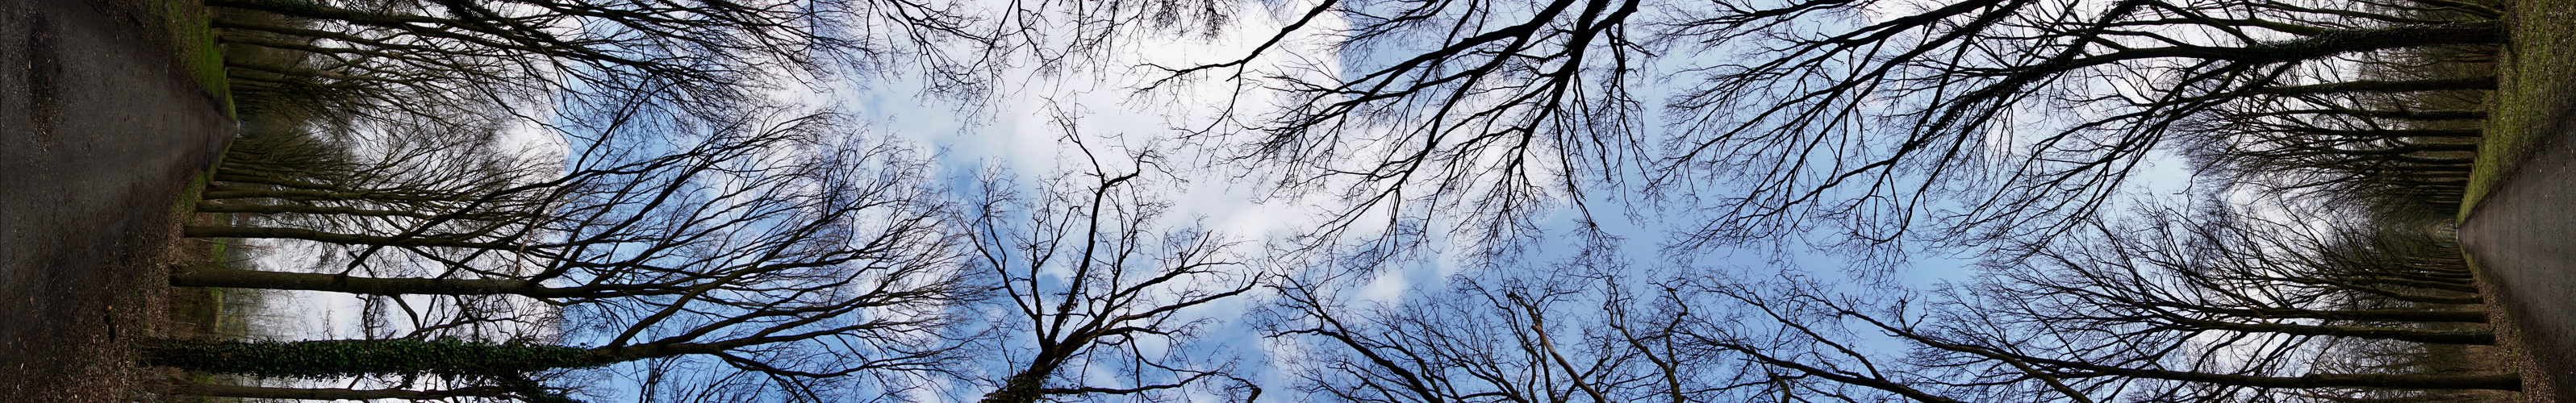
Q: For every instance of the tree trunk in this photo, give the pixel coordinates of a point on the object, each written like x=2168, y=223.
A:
x=239, y=176
x=342, y=358
x=2440, y=279
x=256, y=392
x=234, y=278
x=311, y=10
x=2373, y=315
x=1029, y=385
x=2401, y=296
x=2395, y=133
x=2443, y=84
x=1024, y=387
x=2343, y=41
x=2507, y=381
x=2504, y=381
x=234, y=192
x=2426, y=284
x=2475, y=337
x=203, y=231
x=300, y=209
x=2308, y=47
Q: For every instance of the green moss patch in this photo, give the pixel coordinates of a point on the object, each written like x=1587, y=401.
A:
x=2535, y=73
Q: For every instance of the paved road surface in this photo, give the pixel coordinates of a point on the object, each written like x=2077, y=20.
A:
x=2524, y=236
x=98, y=130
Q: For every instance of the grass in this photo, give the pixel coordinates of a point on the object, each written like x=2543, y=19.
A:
x=207, y=311
x=193, y=42
x=2542, y=50
x=188, y=194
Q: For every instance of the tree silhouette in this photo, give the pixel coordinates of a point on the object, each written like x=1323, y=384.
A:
x=1090, y=279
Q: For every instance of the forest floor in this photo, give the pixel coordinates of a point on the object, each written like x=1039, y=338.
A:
x=2519, y=224
x=105, y=117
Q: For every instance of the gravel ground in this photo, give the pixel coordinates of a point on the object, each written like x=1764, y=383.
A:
x=99, y=129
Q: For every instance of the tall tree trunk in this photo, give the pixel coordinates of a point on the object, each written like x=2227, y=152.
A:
x=2476, y=337
x=301, y=209
x=340, y=358
x=2409, y=297
x=234, y=192
x=2440, y=84
x=2426, y=284
x=1024, y=387
x=207, y=231
x=256, y=392
x=235, y=278
x=1029, y=385
x=2506, y=381
x=2424, y=115
x=2395, y=133
x=2373, y=315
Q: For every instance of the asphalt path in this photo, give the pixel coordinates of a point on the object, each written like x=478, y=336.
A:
x=99, y=130
x=2524, y=239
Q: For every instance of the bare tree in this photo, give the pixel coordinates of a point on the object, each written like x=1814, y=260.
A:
x=2171, y=306
x=1096, y=278
x=1795, y=116
x=1495, y=336
x=696, y=51
x=763, y=245
x=1956, y=354
x=2202, y=309
x=2394, y=144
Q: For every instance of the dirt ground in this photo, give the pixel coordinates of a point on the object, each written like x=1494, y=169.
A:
x=100, y=128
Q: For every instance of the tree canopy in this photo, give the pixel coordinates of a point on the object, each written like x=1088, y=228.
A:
x=1427, y=201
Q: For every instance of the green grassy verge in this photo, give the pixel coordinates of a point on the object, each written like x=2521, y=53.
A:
x=2543, y=49
x=193, y=40
x=188, y=194
x=202, y=312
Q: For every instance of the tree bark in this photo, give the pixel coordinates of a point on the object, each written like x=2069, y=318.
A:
x=2430, y=299
x=2308, y=47
x=231, y=192
x=203, y=231
x=235, y=278
x=345, y=358
x=2474, y=337
x=300, y=209
x=2374, y=315
x=256, y=392
x=2443, y=84
x=2394, y=133
x=2422, y=115
x=2426, y=284
x=2506, y=381
x=1024, y=387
